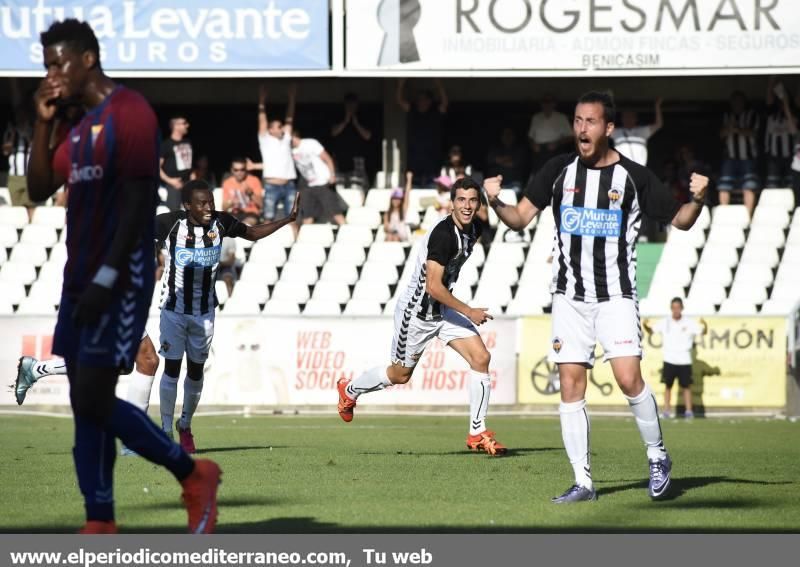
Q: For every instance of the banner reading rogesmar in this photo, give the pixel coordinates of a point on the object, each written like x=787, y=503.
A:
x=739, y=363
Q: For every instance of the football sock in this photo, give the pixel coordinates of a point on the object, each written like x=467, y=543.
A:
x=139, y=389
x=575, y=433
x=168, y=393
x=55, y=366
x=192, y=389
x=480, y=386
x=645, y=410
x=370, y=381
x=137, y=431
x=94, y=454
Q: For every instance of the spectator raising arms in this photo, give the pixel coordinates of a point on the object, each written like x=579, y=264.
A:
x=351, y=144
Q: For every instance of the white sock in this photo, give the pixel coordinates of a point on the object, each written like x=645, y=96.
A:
x=371, y=381
x=168, y=393
x=52, y=367
x=192, y=390
x=645, y=410
x=139, y=389
x=480, y=386
x=575, y=433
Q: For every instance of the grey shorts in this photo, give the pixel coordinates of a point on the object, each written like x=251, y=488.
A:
x=189, y=334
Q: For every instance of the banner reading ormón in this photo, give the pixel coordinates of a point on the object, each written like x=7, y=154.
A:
x=739, y=363
x=175, y=35
x=574, y=37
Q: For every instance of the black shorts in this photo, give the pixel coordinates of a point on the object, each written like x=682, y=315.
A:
x=683, y=372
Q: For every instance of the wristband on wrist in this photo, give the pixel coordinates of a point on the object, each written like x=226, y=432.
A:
x=105, y=277
x=701, y=201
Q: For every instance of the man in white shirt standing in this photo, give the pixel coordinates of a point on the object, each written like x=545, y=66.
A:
x=275, y=143
x=549, y=131
x=631, y=139
x=678, y=334
x=321, y=202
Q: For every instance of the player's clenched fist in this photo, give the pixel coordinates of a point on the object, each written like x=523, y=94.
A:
x=698, y=185
x=492, y=186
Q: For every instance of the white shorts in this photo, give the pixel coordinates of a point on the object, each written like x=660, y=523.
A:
x=412, y=334
x=578, y=326
x=190, y=334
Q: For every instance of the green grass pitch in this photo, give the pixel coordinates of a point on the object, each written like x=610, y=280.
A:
x=413, y=474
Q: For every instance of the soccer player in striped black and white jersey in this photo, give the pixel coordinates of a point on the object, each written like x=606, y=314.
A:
x=598, y=198
x=428, y=309
x=192, y=243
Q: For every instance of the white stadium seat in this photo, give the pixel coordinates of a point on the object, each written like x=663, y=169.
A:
x=281, y=308
x=18, y=273
x=378, y=199
x=361, y=235
x=726, y=235
x=265, y=252
x=737, y=307
x=364, y=216
x=346, y=253
x=25, y=253
x=15, y=217
x=260, y=273
x=336, y=292
x=783, y=198
x=221, y=289
x=371, y=290
x=241, y=305
x=379, y=272
x=730, y=215
x=353, y=197
x=39, y=234
x=290, y=291
x=35, y=306
x=8, y=236
x=322, y=307
x=306, y=253
x=257, y=291
x=772, y=216
x=299, y=273
x=54, y=217
x=362, y=307
x=388, y=252
x=511, y=254
x=316, y=234
x=339, y=272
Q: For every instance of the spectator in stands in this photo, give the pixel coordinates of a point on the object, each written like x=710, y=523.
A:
x=17, y=140
x=778, y=143
x=687, y=163
x=351, y=144
x=678, y=335
x=176, y=161
x=456, y=166
x=630, y=139
x=321, y=202
x=738, y=134
x=443, y=203
x=508, y=159
x=242, y=194
x=550, y=130
x=275, y=143
x=395, y=226
x=201, y=171
x=794, y=130
x=424, y=131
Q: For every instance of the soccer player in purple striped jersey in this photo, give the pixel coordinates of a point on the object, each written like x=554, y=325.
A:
x=109, y=163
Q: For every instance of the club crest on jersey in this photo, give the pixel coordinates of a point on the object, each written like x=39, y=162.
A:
x=212, y=234
x=557, y=344
x=614, y=195
x=96, y=129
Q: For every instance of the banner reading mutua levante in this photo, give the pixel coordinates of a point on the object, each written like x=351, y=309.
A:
x=574, y=37
x=179, y=36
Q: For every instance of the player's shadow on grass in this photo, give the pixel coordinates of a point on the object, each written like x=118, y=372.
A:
x=241, y=448
x=234, y=502
x=681, y=486
x=513, y=452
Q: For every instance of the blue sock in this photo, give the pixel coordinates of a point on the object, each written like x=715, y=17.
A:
x=94, y=454
x=132, y=426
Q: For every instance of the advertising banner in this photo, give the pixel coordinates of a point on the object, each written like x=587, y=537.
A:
x=574, y=37
x=176, y=35
x=292, y=361
x=739, y=363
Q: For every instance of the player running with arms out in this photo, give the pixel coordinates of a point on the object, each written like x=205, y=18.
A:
x=192, y=243
x=428, y=309
x=109, y=162
x=598, y=198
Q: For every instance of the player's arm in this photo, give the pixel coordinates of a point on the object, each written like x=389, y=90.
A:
x=443, y=100
x=516, y=217
x=686, y=216
x=440, y=293
x=262, y=110
x=326, y=157
x=42, y=178
x=259, y=231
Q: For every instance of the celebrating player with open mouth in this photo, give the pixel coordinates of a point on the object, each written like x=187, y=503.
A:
x=428, y=309
x=598, y=197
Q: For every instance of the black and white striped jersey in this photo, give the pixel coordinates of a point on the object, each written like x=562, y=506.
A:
x=739, y=146
x=778, y=140
x=21, y=140
x=598, y=214
x=191, y=258
x=449, y=246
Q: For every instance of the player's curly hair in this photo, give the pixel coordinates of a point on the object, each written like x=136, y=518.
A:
x=604, y=98
x=191, y=186
x=78, y=35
